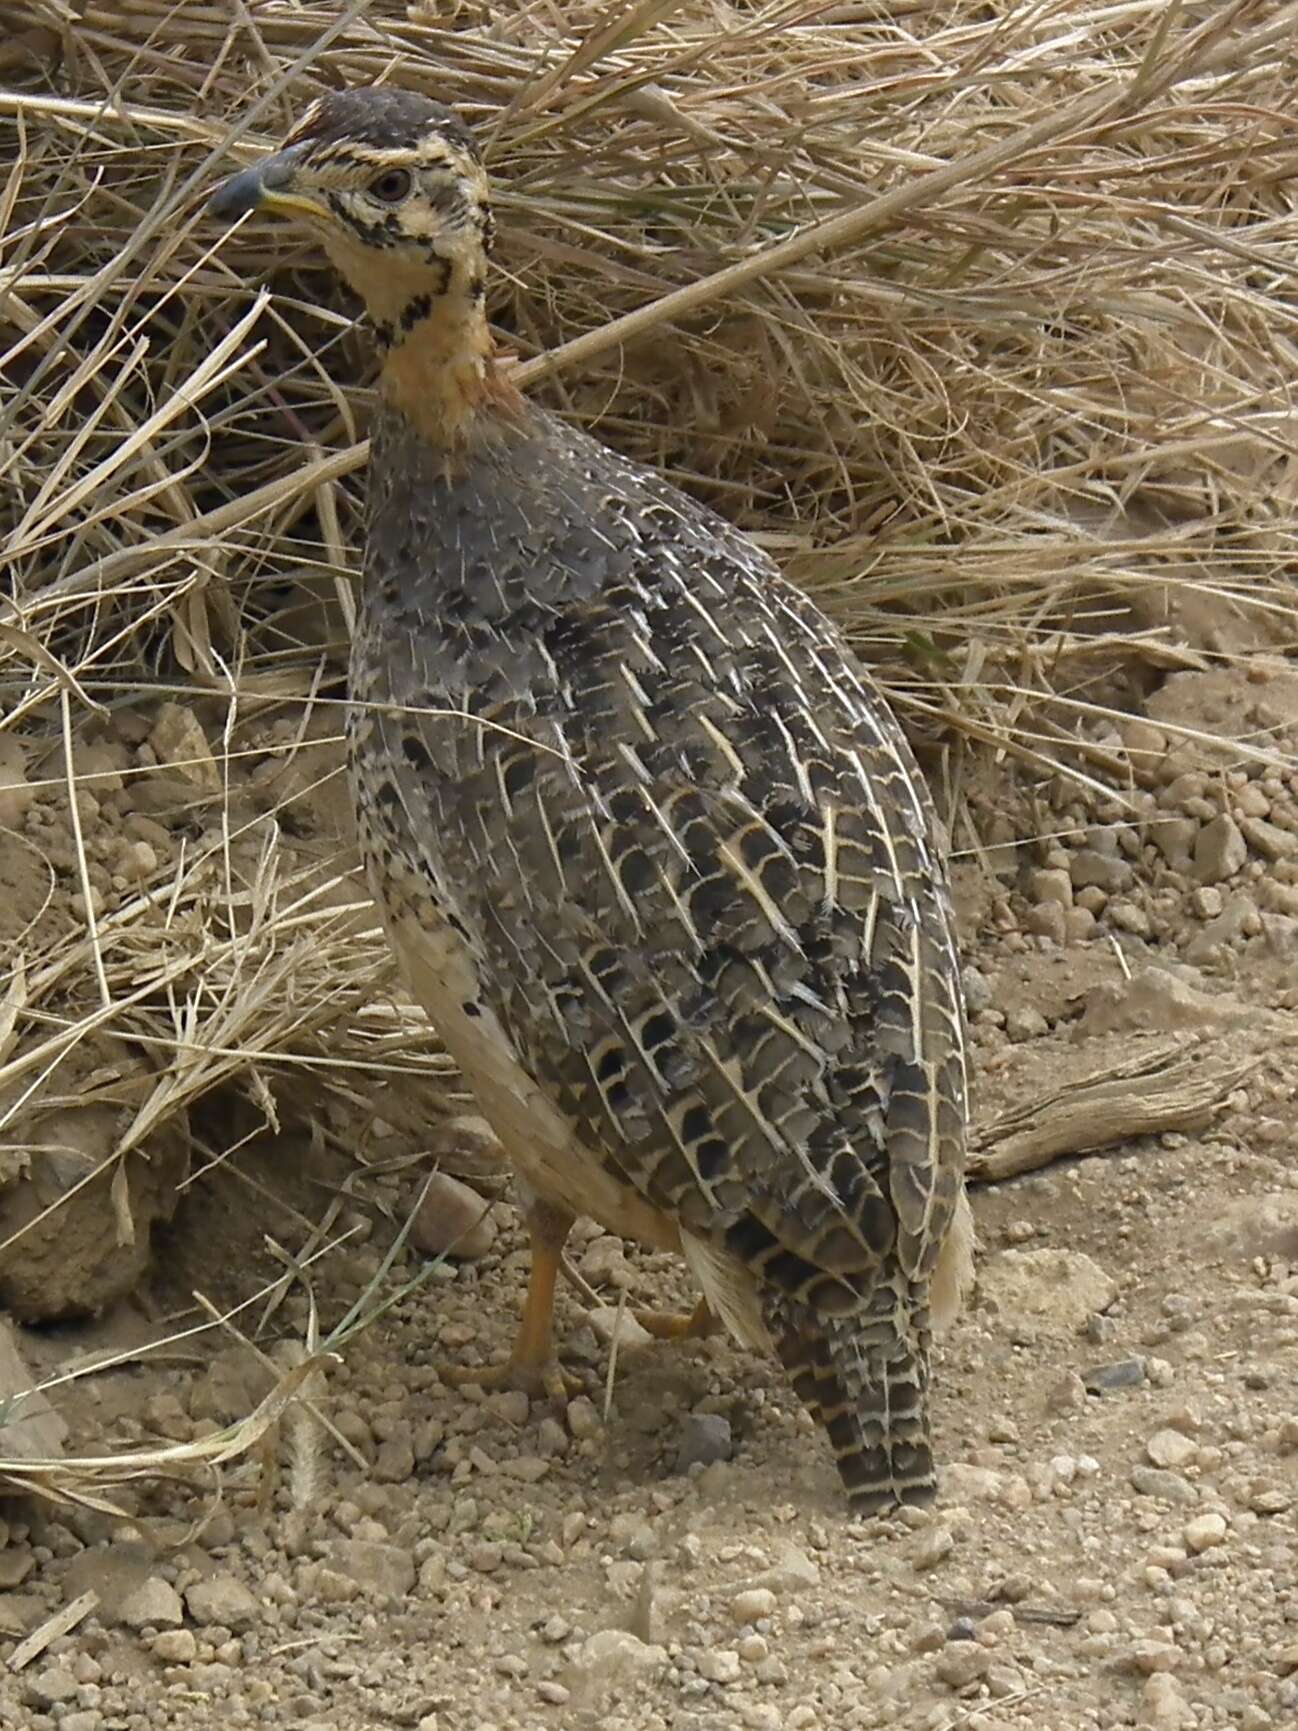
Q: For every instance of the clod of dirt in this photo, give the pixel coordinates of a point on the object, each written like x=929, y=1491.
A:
x=609, y=1657
x=1155, y=1001
x=75, y=1223
x=1049, y=1291
x=1218, y=702
x=1253, y=1226
x=15, y=795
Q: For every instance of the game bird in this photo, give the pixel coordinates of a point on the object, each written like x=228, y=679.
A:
x=653, y=853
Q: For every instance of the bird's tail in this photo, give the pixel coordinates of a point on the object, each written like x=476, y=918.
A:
x=864, y=1379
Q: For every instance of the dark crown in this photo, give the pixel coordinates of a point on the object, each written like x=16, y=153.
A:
x=381, y=116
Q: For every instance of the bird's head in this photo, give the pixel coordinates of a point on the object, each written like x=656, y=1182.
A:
x=393, y=185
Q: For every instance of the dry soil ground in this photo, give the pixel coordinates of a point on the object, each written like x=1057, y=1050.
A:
x=1116, y=1541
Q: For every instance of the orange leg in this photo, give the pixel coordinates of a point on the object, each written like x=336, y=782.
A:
x=532, y=1365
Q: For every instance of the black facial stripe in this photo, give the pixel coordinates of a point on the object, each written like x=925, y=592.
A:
x=418, y=307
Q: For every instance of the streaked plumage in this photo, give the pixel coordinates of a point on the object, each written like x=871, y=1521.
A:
x=655, y=856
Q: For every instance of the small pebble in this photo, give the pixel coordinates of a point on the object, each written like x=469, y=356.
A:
x=704, y=1438
x=962, y=1664
x=1204, y=1532
x=932, y=1547
x=753, y=1604
x=453, y=1220
x=719, y=1665
x=1168, y=1448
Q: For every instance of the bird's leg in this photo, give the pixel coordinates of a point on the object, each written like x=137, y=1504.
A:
x=532, y=1365
x=668, y=1325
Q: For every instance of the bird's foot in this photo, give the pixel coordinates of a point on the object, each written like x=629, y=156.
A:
x=543, y=1380
x=671, y=1325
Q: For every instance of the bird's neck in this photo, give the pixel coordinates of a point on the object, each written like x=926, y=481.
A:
x=439, y=369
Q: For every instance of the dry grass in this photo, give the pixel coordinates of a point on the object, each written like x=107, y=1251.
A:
x=980, y=317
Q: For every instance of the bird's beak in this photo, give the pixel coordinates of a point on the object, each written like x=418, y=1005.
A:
x=267, y=186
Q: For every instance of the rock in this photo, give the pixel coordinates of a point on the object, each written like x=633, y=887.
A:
x=16, y=1563
x=1270, y=1500
x=607, y=1321
x=51, y=1687
x=1150, y=1656
x=1052, y=1290
x=1051, y=886
x=155, y=1603
x=453, y=1220
x=1067, y=1395
x=1089, y=869
x=719, y=1665
x=224, y=1600
x=231, y=1386
x=179, y=740
x=1025, y=1023
x=329, y=1586
x=792, y=1570
x=465, y=1145
x=89, y=1719
x=1239, y=919
x=1219, y=851
x=1268, y=839
x=1168, y=1487
x=30, y=1428
x=1146, y=745
x=962, y=1483
x=1174, y=837
x=1128, y=916
x=1169, y=1448
x=395, y=1461
x=977, y=990
x=111, y=1572
x=704, y=1438
x=604, y=1263
x=962, y=1663
x=611, y=1656
x=1121, y=1373
x=933, y=1546
x=175, y=1646
x=1047, y=920
x=1162, y=1705
x=388, y=1570
x=1204, y=1532
x=752, y=1604
x=1206, y=903
x=583, y=1418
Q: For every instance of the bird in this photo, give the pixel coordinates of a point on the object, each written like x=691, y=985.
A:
x=650, y=848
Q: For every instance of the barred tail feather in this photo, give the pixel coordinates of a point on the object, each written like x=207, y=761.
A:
x=867, y=1387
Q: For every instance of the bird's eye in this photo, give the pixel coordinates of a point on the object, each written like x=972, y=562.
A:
x=392, y=187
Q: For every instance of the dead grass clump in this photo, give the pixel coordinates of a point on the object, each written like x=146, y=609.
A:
x=980, y=317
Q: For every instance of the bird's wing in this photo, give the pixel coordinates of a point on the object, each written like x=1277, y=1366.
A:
x=704, y=887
